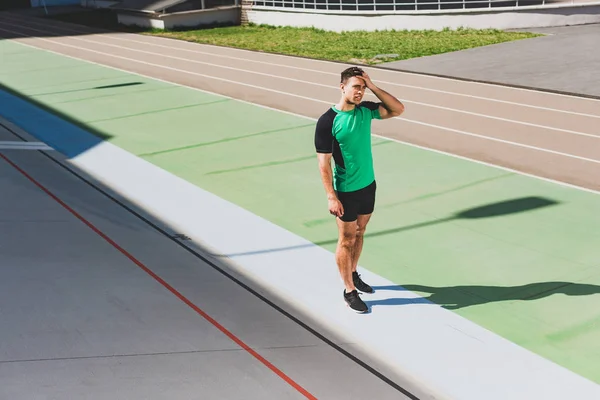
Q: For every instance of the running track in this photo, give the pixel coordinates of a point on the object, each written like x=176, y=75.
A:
x=543, y=134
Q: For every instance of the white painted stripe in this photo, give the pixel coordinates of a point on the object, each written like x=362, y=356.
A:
x=433, y=77
x=6, y=145
x=509, y=142
x=561, y=183
x=535, y=148
x=436, y=349
x=305, y=82
x=319, y=71
x=336, y=74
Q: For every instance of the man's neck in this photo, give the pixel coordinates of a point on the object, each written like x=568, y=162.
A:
x=342, y=105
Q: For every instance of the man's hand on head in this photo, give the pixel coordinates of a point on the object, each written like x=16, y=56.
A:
x=368, y=82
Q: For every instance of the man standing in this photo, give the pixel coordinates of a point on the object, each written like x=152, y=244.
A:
x=344, y=134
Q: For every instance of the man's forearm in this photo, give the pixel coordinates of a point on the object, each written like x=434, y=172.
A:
x=392, y=104
x=327, y=178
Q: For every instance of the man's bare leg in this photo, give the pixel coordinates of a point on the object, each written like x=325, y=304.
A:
x=362, y=222
x=345, y=250
x=344, y=258
x=361, y=225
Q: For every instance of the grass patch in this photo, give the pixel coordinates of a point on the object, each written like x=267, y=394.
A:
x=354, y=47
x=349, y=47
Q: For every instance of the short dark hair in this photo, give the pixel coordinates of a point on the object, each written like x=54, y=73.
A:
x=349, y=73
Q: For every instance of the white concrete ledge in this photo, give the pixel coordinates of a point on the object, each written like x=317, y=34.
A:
x=211, y=16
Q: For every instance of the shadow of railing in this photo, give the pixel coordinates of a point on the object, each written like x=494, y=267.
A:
x=497, y=209
x=17, y=108
x=16, y=24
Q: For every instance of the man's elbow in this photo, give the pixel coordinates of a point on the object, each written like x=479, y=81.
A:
x=396, y=111
x=399, y=110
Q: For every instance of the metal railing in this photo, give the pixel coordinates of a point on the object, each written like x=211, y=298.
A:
x=395, y=5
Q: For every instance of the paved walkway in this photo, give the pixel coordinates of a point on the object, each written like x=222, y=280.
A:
x=99, y=304
x=566, y=60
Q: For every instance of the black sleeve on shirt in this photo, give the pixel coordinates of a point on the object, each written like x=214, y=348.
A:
x=374, y=107
x=371, y=105
x=324, y=133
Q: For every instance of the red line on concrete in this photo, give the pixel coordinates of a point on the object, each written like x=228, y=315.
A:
x=166, y=285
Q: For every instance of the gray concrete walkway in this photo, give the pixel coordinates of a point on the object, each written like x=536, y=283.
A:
x=80, y=319
x=566, y=60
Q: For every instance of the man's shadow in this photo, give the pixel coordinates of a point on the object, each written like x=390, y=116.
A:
x=463, y=296
x=456, y=297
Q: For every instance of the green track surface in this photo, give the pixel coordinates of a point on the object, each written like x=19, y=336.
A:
x=516, y=255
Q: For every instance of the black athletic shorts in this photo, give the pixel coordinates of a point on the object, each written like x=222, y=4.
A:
x=358, y=202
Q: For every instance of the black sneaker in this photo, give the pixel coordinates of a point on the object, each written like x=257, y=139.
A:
x=355, y=302
x=360, y=285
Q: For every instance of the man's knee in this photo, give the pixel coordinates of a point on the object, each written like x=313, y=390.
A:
x=347, y=239
x=361, y=227
x=360, y=230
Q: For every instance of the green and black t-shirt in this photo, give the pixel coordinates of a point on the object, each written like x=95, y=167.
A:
x=347, y=135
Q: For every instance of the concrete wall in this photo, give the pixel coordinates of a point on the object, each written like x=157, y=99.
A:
x=203, y=17
x=507, y=18
x=219, y=15
x=140, y=20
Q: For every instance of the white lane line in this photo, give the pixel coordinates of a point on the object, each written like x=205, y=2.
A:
x=171, y=47
x=315, y=71
x=18, y=145
x=310, y=98
x=553, y=181
x=316, y=100
x=324, y=86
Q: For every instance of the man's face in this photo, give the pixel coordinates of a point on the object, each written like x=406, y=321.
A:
x=354, y=90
